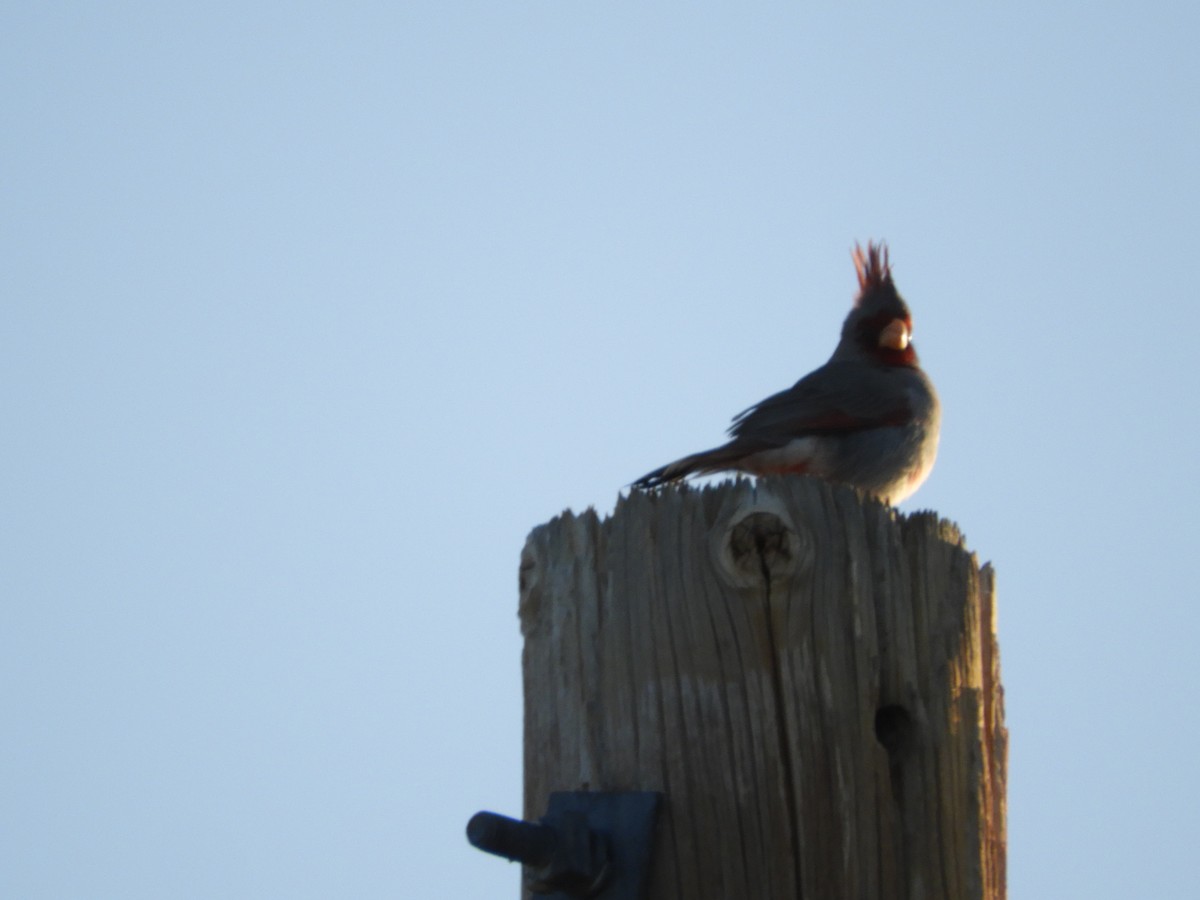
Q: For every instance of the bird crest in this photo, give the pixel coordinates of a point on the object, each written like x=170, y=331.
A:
x=872, y=267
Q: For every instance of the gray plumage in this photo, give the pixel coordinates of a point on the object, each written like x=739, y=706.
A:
x=869, y=417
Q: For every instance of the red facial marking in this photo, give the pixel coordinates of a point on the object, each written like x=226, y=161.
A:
x=905, y=357
x=871, y=327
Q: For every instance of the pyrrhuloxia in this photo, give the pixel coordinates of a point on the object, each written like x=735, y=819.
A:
x=868, y=418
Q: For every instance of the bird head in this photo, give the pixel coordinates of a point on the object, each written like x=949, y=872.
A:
x=879, y=327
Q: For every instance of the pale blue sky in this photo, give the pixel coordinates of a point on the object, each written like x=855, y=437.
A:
x=311, y=311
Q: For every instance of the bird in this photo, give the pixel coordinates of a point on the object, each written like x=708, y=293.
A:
x=869, y=417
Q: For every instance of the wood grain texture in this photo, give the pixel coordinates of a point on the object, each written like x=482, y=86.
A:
x=811, y=678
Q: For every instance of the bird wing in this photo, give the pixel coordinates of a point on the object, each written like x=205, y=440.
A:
x=837, y=398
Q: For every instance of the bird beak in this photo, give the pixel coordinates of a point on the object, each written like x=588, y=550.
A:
x=895, y=336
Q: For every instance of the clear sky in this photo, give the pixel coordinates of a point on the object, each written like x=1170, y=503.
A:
x=310, y=312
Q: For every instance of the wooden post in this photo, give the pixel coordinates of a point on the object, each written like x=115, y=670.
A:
x=811, y=679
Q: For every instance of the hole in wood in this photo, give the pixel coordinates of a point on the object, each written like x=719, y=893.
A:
x=893, y=728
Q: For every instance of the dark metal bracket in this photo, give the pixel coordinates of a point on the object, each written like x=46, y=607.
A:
x=593, y=844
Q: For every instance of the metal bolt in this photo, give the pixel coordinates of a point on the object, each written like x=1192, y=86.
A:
x=515, y=840
x=562, y=853
x=593, y=844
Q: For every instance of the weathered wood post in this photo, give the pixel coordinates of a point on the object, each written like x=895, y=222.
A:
x=811, y=679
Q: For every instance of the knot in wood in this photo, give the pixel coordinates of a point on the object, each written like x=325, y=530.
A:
x=530, y=580
x=761, y=544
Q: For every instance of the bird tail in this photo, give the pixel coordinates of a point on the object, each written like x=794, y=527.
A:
x=697, y=464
